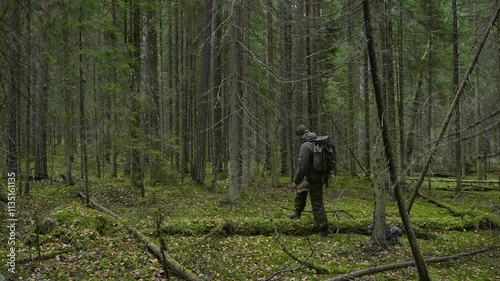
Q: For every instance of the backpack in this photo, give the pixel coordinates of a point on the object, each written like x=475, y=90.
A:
x=324, y=159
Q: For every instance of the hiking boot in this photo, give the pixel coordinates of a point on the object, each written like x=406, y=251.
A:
x=325, y=233
x=294, y=216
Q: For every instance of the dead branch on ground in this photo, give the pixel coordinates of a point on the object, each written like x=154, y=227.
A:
x=174, y=266
x=387, y=267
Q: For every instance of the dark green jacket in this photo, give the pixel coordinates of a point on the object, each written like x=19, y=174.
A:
x=305, y=162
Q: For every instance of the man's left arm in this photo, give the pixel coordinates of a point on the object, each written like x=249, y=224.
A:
x=302, y=166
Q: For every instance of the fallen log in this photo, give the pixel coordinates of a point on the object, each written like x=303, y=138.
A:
x=334, y=212
x=454, y=180
x=176, y=268
x=387, y=267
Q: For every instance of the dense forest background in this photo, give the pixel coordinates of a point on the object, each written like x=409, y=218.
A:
x=136, y=102
x=165, y=90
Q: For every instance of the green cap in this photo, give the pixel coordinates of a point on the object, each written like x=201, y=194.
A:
x=301, y=129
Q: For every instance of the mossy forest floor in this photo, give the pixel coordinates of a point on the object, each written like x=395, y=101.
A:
x=253, y=240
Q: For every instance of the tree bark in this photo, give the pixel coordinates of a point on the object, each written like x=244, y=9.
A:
x=422, y=269
x=248, y=104
x=401, y=87
x=272, y=148
x=457, y=110
x=299, y=66
x=284, y=125
x=28, y=80
x=83, y=129
x=235, y=140
x=381, y=182
x=39, y=135
x=215, y=94
x=199, y=162
x=314, y=58
x=379, y=193
x=388, y=65
x=114, y=117
x=12, y=99
x=151, y=86
x=68, y=96
x=481, y=162
x=185, y=107
x=366, y=105
x=351, y=96
x=136, y=172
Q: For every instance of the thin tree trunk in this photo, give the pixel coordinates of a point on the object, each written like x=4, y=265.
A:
x=136, y=172
x=313, y=57
x=379, y=194
x=68, y=111
x=173, y=59
x=153, y=91
x=12, y=99
x=198, y=169
x=114, y=117
x=27, y=136
x=388, y=58
x=98, y=139
x=215, y=90
x=400, y=58
x=298, y=116
x=366, y=105
x=272, y=152
x=284, y=126
x=481, y=161
x=184, y=109
x=350, y=87
x=41, y=103
x=248, y=98
x=457, y=111
x=381, y=182
x=419, y=260
x=83, y=133
x=429, y=112
x=235, y=140
x=68, y=135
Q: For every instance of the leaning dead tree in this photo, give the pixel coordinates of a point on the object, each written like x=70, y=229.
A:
x=419, y=259
x=455, y=101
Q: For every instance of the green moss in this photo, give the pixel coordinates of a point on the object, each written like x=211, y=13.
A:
x=81, y=217
x=245, y=241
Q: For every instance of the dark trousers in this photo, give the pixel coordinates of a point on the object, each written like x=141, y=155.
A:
x=315, y=191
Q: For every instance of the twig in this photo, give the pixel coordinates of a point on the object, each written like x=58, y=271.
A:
x=303, y=264
x=470, y=211
x=458, y=195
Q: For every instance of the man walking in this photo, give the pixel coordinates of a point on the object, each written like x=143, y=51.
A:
x=313, y=183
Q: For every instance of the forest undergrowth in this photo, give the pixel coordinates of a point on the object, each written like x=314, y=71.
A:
x=253, y=240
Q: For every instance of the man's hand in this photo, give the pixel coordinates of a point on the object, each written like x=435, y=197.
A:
x=295, y=187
